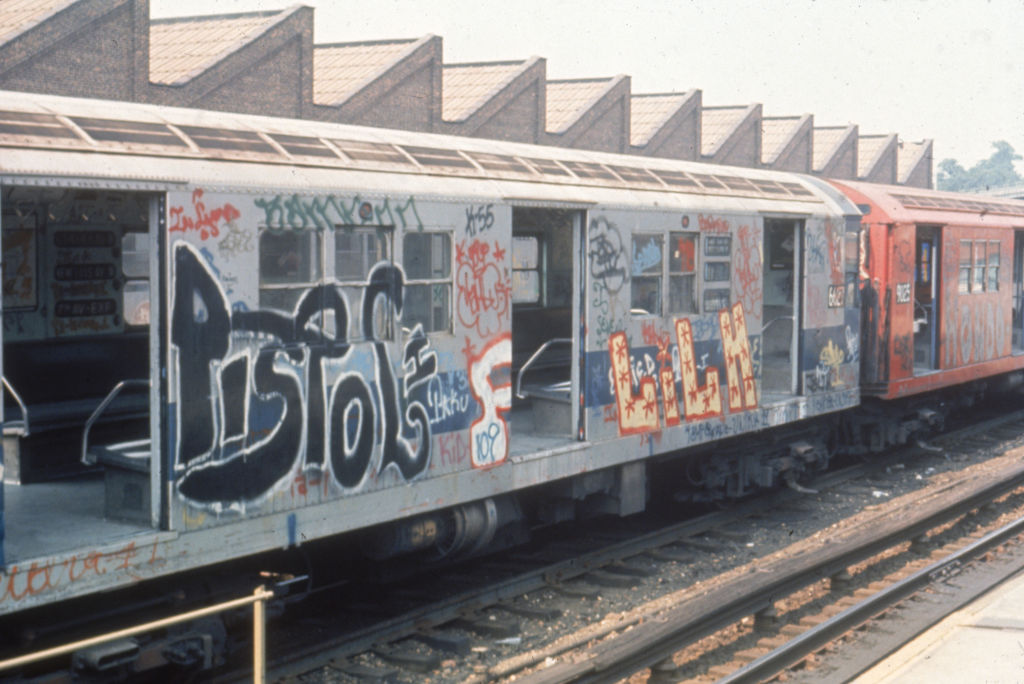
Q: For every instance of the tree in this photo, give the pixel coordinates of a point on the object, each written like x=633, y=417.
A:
x=995, y=172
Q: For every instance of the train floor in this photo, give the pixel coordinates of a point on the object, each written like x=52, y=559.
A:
x=45, y=518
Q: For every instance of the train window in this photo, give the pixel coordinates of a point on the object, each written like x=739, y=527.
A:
x=357, y=250
x=589, y=170
x=978, y=281
x=993, y=266
x=434, y=158
x=23, y=124
x=682, y=273
x=289, y=265
x=135, y=267
x=715, y=300
x=303, y=146
x=500, y=163
x=427, y=258
x=716, y=271
x=548, y=167
x=228, y=140
x=964, y=284
x=138, y=132
x=526, y=263
x=359, y=151
x=646, y=274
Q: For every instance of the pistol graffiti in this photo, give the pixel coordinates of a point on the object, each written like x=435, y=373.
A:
x=266, y=393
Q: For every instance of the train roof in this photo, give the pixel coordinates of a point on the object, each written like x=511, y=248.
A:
x=53, y=137
x=900, y=204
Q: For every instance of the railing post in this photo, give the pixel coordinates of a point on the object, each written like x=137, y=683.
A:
x=259, y=637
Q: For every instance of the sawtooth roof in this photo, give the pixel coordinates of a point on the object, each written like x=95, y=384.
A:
x=182, y=48
x=466, y=87
x=18, y=16
x=717, y=124
x=568, y=99
x=648, y=113
x=340, y=69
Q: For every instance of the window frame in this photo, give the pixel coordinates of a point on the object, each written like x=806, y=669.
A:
x=447, y=281
x=660, y=276
x=673, y=276
x=540, y=269
x=979, y=274
x=317, y=262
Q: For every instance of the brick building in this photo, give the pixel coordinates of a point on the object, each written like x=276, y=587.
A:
x=268, y=63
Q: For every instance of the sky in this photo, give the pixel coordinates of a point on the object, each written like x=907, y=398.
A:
x=952, y=71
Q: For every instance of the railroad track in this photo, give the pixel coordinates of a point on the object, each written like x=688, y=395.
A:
x=505, y=615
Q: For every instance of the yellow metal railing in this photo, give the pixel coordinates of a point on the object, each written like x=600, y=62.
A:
x=259, y=616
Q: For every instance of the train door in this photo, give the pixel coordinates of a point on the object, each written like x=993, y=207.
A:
x=77, y=359
x=782, y=306
x=1018, y=291
x=544, y=350
x=926, y=299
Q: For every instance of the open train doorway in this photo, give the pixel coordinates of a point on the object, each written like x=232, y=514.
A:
x=77, y=356
x=781, y=315
x=926, y=299
x=544, y=349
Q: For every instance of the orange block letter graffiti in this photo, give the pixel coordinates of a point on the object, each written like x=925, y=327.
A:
x=736, y=347
x=637, y=412
x=700, y=401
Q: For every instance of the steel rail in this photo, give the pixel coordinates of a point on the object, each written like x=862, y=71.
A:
x=815, y=638
x=544, y=576
x=659, y=637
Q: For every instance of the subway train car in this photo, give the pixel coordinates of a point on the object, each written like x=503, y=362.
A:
x=226, y=334
x=942, y=276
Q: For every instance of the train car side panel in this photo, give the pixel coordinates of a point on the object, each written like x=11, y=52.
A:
x=313, y=355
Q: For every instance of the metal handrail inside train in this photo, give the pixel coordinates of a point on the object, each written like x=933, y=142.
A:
x=21, y=404
x=533, y=357
x=107, y=400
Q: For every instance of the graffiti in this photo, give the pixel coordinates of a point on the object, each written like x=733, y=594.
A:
x=207, y=223
x=747, y=272
x=699, y=401
x=836, y=296
x=484, y=292
x=832, y=357
x=816, y=248
x=606, y=319
x=19, y=260
x=236, y=241
x=293, y=211
x=736, y=347
x=19, y=583
x=453, y=449
x=834, y=240
x=704, y=328
x=637, y=412
x=819, y=379
x=490, y=381
x=902, y=293
x=446, y=400
x=711, y=224
x=278, y=380
x=606, y=255
x=852, y=345
x=903, y=350
x=479, y=219
x=647, y=255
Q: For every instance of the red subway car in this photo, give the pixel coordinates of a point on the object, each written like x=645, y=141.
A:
x=941, y=282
